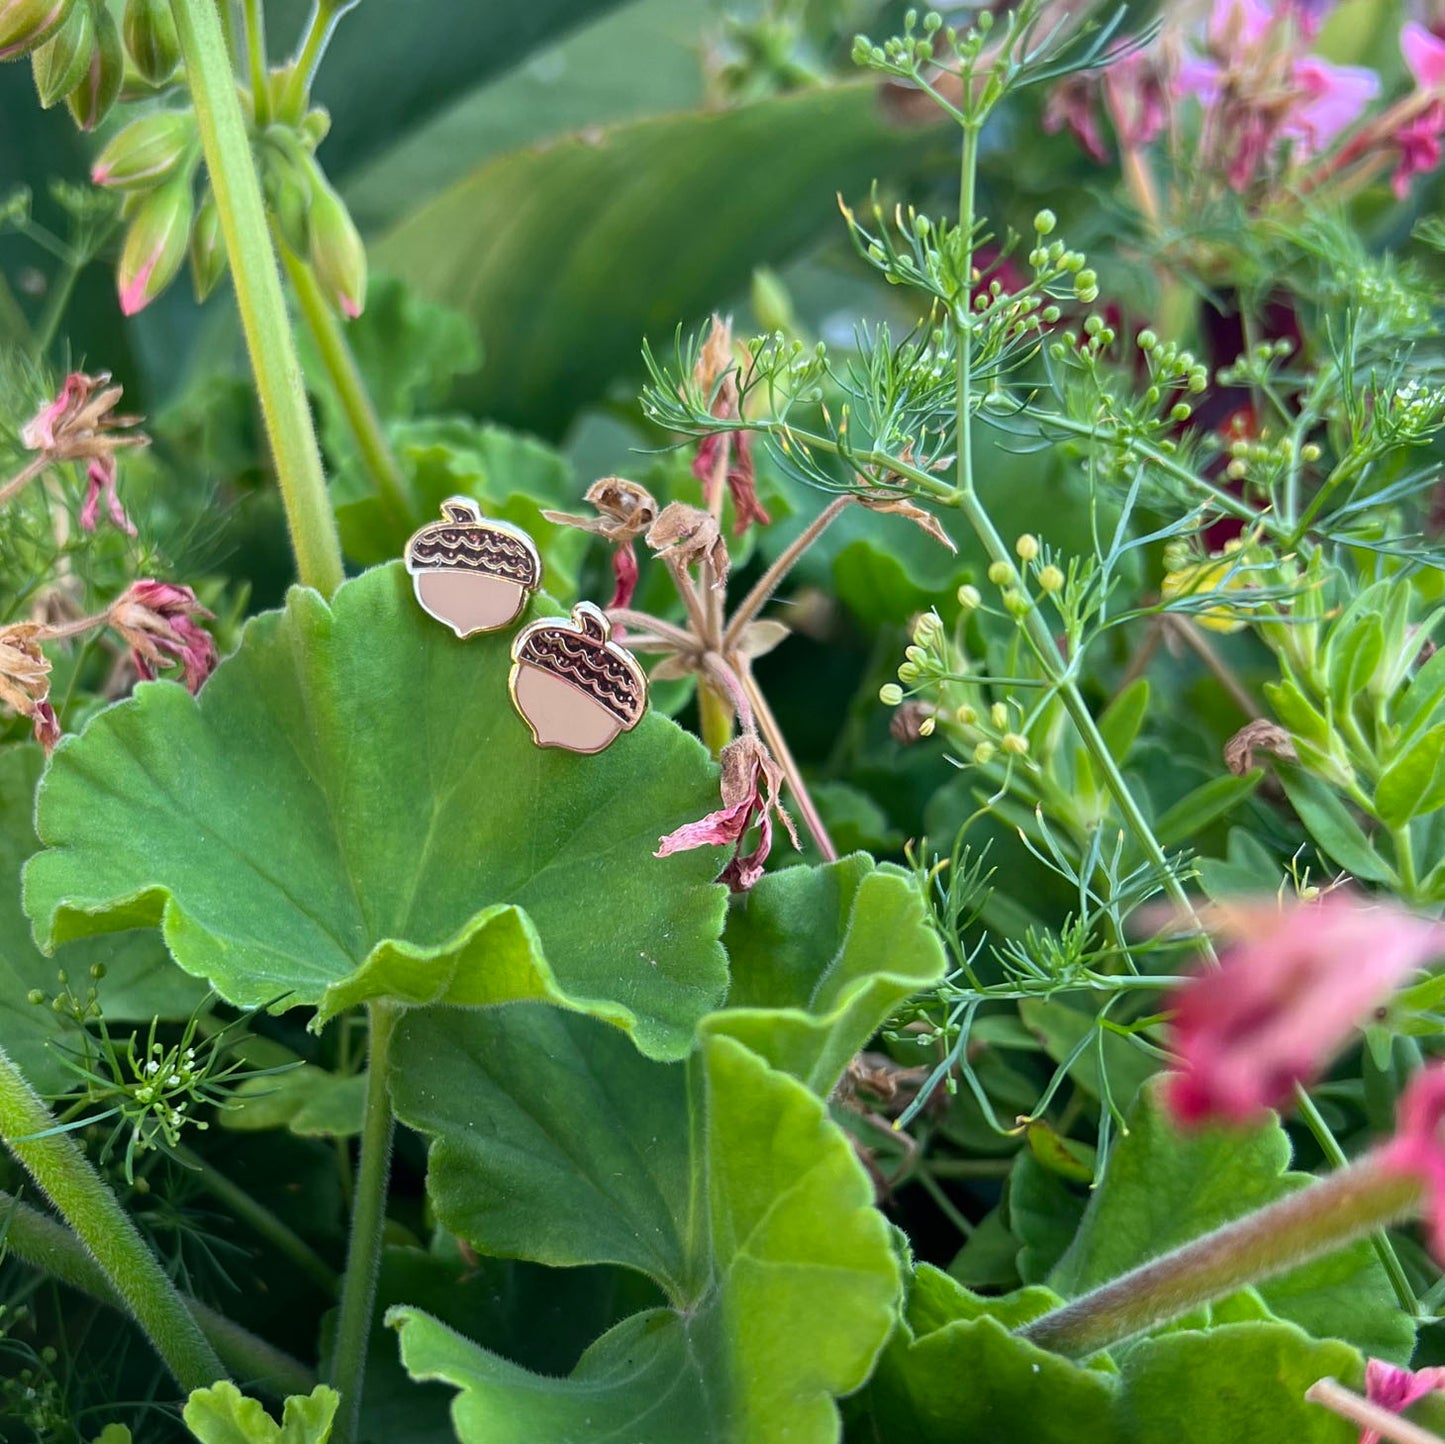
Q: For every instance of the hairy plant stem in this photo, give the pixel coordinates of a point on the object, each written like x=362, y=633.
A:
x=1349, y=1405
x=103, y=1226
x=347, y=1369
x=255, y=16
x=284, y=1240
x=319, y=29
x=23, y=477
x=49, y=1246
x=1318, y=1219
x=232, y=172
x=340, y=362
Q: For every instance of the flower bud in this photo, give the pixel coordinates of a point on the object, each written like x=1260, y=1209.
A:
x=156, y=243
x=208, y=249
x=890, y=694
x=1016, y=743
x=1045, y=221
x=90, y=102
x=150, y=37
x=1051, y=579
x=142, y=155
x=24, y=24
x=338, y=257
x=286, y=179
x=998, y=715
x=1027, y=546
x=966, y=716
x=61, y=63
x=984, y=753
x=1001, y=574
x=969, y=597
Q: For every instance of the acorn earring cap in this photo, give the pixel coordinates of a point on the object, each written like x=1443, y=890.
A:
x=574, y=686
x=471, y=573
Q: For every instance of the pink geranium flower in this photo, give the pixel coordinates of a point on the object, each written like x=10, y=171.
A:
x=1424, y=54
x=1395, y=1389
x=1291, y=988
x=1418, y=137
x=1418, y=1147
x=161, y=623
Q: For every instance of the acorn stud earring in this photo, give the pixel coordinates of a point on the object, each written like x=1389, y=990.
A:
x=574, y=686
x=472, y=573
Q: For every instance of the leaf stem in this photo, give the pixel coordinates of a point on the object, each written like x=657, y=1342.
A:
x=368, y=1217
x=56, y=1163
x=259, y=297
x=49, y=1246
x=356, y=406
x=24, y=477
x=1316, y=1220
x=1333, y=1395
x=256, y=61
x=319, y=29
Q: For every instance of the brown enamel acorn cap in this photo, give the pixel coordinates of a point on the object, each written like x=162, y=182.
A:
x=467, y=543
x=579, y=652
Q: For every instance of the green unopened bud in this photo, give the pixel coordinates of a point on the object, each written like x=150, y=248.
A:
x=338, y=258
x=1016, y=743
x=150, y=37
x=907, y=672
x=969, y=597
x=927, y=628
x=916, y=655
x=1309, y=452
x=146, y=152
x=35, y=997
x=60, y=64
x=1027, y=546
x=90, y=102
x=1001, y=574
x=1045, y=221
x=984, y=753
x=926, y=726
x=772, y=305
x=1146, y=341
x=1051, y=579
x=966, y=716
x=1181, y=411
x=208, y=248
x=1015, y=602
x=890, y=694
x=315, y=126
x=286, y=179
x=156, y=243
x=998, y=715
x=24, y=24
x=97, y=971
x=1086, y=286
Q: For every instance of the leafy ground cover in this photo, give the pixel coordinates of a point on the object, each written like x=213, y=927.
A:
x=993, y=992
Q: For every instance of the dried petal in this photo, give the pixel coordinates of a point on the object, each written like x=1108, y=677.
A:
x=1261, y=735
x=25, y=680
x=688, y=536
x=901, y=506
x=161, y=624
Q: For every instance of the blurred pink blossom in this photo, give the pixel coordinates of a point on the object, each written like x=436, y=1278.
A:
x=1290, y=989
x=1418, y=137
x=1395, y=1389
x=1418, y=1147
x=161, y=623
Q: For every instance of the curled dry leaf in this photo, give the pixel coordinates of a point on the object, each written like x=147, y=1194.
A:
x=901, y=506
x=686, y=535
x=1261, y=735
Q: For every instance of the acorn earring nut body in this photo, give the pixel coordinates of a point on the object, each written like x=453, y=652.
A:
x=470, y=572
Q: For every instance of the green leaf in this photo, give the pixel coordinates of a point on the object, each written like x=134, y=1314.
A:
x=1414, y=782
x=113, y=1434
x=1043, y=1215
x=663, y=216
x=223, y=1415
x=1248, y=866
x=1163, y=1188
x=140, y=981
x=1120, y=721
x=514, y=478
x=308, y=1101
x=954, y=1374
x=745, y=1201
x=1233, y=1383
x=351, y=809
x=1423, y=697
x=1207, y=802
x=1332, y=827
x=1061, y=1027
x=383, y=77
x=821, y=956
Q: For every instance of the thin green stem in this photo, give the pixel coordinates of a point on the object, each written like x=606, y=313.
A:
x=358, y=1291
x=256, y=61
x=56, y=1163
x=286, y=1241
x=259, y=297
x=1405, y=861
x=345, y=376
x=50, y=1247
x=14, y=326
x=319, y=29
x=1305, y=1225
x=55, y=305
x=1314, y=1120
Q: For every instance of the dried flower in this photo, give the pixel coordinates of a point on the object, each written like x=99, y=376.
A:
x=25, y=680
x=80, y=425
x=1286, y=997
x=161, y=624
x=1395, y=1389
x=725, y=456
x=625, y=510
x=685, y=536
x=751, y=781
x=1261, y=735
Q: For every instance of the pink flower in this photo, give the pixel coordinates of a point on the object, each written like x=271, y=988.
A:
x=725, y=455
x=1418, y=1147
x=1331, y=99
x=1419, y=143
x=751, y=781
x=160, y=622
x=1425, y=55
x=1071, y=104
x=625, y=573
x=1286, y=997
x=100, y=478
x=1396, y=1389
x=1136, y=98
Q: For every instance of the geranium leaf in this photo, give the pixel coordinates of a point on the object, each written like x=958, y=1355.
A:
x=140, y=981
x=1163, y=1188
x=351, y=808
x=820, y=957
x=223, y=1415
x=723, y=1179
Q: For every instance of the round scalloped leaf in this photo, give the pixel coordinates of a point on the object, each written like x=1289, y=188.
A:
x=352, y=809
